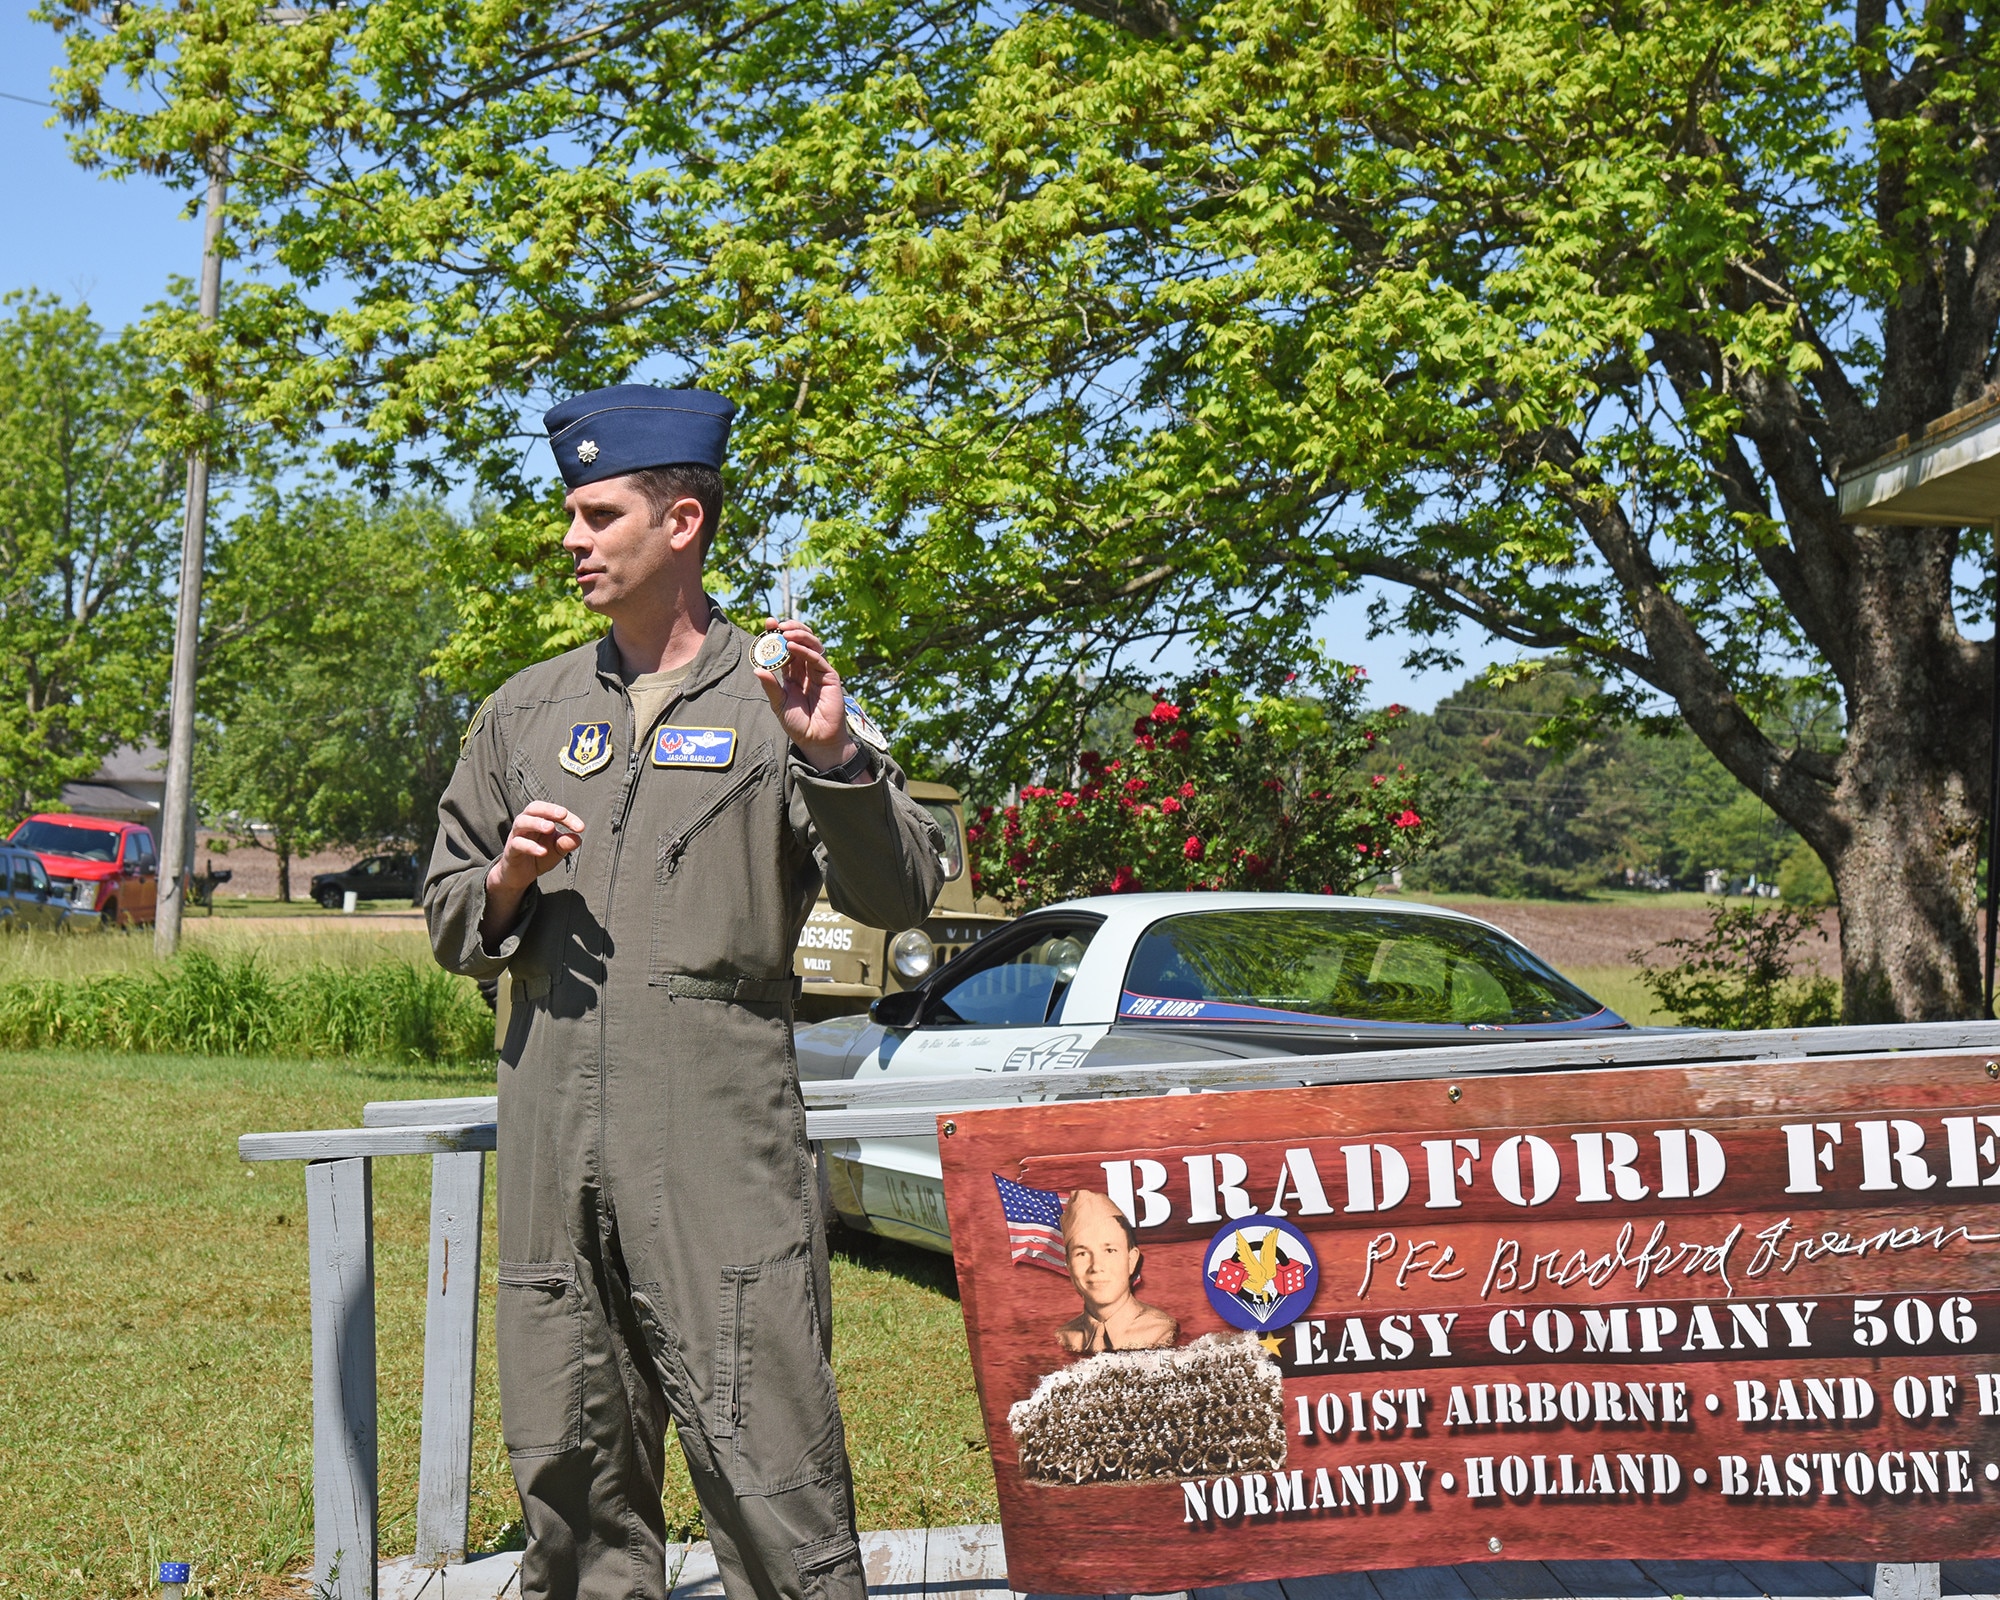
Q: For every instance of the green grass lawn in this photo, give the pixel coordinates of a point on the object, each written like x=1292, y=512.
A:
x=1620, y=989
x=157, y=1358
x=228, y=905
x=335, y=943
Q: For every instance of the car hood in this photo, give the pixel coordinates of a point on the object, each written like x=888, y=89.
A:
x=73, y=867
x=839, y=1047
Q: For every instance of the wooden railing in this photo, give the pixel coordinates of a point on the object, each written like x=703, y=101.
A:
x=456, y=1134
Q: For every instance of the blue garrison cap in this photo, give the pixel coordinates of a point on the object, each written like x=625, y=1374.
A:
x=631, y=426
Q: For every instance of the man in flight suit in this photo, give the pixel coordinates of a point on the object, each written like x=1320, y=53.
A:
x=634, y=836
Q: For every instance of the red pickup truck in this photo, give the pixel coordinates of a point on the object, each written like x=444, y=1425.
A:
x=96, y=864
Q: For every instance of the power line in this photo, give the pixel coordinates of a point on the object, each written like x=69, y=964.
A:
x=46, y=105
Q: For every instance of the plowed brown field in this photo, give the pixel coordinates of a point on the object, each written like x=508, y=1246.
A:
x=1596, y=934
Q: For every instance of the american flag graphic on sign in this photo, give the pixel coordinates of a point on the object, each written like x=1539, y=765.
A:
x=1034, y=1224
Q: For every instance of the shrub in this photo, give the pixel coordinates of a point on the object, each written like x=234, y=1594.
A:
x=1219, y=788
x=197, y=1005
x=1739, y=973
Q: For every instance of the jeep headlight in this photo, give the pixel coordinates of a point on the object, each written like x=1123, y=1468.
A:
x=912, y=954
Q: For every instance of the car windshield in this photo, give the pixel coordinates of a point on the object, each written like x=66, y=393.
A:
x=947, y=821
x=1293, y=964
x=60, y=839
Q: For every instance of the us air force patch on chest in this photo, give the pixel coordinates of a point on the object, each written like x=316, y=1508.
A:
x=588, y=750
x=694, y=747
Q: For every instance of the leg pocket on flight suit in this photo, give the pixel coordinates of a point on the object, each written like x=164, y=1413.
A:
x=830, y=1569
x=774, y=1395
x=538, y=1324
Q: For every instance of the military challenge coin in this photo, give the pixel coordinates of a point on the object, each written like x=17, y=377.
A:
x=770, y=651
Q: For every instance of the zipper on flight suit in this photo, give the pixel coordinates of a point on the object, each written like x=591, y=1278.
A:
x=673, y=848
x=626, y=791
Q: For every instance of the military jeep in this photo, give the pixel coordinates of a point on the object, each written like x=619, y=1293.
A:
x=843, y=965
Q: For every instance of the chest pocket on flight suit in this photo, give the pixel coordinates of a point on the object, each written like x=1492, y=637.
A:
x=717, y=896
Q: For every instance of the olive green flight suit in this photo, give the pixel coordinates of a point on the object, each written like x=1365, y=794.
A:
x=661, y=1252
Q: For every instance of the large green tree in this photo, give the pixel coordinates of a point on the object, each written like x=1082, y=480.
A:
x=1066, y=327
x=322, y=723
x=1526, y=813
x=90, y=505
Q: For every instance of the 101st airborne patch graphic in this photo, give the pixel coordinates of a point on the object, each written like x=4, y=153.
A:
x=588, y=750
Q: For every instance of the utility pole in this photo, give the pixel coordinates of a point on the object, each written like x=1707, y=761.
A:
x=177, y=805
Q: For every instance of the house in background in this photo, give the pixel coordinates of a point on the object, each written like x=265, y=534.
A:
x=127, y=787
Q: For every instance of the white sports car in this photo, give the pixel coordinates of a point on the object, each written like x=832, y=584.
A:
x=1133, y=979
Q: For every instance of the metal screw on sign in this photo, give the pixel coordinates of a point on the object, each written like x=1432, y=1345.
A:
x=1455, y=1094
x=1993, y=1069
x=173, y=1579
x=1493, y=1544
x=950, y=1128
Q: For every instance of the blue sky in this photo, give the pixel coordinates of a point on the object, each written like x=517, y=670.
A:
x=115, y=245
x=75, y=234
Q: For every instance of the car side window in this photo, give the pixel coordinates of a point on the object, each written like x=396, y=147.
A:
x=140, y=848
x=38, y=877
x=1022, y=986
x=13, y=876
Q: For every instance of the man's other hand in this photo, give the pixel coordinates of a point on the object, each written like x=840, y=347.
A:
x=541, y=836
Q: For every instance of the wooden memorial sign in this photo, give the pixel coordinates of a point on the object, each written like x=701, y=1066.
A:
x=1749, y=1310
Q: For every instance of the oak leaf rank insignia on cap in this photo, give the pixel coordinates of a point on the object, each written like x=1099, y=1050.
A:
x=588, y=749
x=587, y=451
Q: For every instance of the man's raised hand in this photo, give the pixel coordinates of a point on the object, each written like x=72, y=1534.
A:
x=806, y=694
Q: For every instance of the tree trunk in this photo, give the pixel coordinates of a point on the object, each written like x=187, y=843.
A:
x=284, y=869
x=1909, y=946
x=1902, y=836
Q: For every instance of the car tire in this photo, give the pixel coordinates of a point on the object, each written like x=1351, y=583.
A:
x=107, y=919
x=330, y=899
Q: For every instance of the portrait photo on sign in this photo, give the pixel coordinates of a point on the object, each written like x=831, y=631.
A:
x=1101, y=1249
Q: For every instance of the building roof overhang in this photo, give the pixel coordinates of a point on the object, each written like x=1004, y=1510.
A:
x=1948, y=473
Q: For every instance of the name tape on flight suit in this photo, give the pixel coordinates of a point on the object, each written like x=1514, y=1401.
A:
x=694, y=747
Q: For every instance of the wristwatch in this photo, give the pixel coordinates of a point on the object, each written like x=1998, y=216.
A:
x=856, y=767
